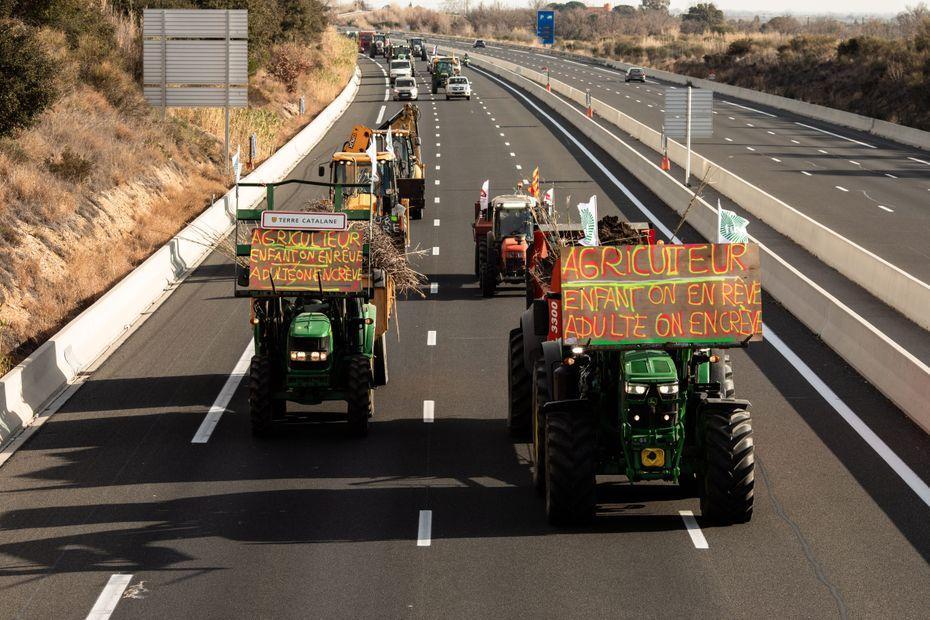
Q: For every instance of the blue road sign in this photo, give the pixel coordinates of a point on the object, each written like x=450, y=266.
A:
x=545, y=27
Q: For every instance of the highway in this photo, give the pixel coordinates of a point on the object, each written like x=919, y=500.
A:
x=111, y=504
x=872, y=191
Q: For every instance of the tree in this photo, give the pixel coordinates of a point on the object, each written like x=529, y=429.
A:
x=625, y=10
x=27, y=77
x=702, y=17
x=656, y=5
x=784, y=24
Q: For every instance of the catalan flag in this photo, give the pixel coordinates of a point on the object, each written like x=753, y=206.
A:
x=534, y=185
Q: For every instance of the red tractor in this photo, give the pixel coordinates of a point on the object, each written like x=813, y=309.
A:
x=503, y=235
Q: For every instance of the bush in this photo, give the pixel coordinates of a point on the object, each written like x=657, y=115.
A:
x=740, y=47
x=288, y=62
x=27, y=77
x=70, y=166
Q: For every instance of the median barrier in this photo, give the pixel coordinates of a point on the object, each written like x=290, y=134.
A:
x=40, y=378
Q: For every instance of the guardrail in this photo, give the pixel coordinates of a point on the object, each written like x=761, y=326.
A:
x=883, y=129
x=892, y=285
x=39, y=379
x=899, y=375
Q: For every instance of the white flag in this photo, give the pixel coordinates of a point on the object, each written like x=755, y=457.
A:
x=483, y=198
x=588, y=213
x=237, y=165
x=389, y=141
x=731, y=228
x=549, y=196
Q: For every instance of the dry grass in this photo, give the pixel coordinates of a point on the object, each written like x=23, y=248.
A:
x=63, y=243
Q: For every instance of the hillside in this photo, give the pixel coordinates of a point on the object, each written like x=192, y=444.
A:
x=96, y=181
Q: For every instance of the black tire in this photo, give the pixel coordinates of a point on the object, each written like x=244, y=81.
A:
x=571, y=484
x=519, y=389
x=722, y=372
x=435, y=90
x=381, y=361
x=541, y=396
x=478, y=258
x=468, y=97
x=447, y=97
x=261, y=406
x=729, y=464
x=489, y=270
x=359, y=395
x=528, y=283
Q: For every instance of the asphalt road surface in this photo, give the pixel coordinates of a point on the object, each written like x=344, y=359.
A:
x=110, y=507
x=873, y=191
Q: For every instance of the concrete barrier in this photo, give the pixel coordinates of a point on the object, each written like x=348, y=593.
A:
x=892, y=285
x=35, y=382
x=883, y=129
x=900, y=376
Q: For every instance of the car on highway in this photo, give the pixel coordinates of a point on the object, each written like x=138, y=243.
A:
x=479, y=43
x=406, y=88
x=400, y=68
x=635, y=74
x=458, y=86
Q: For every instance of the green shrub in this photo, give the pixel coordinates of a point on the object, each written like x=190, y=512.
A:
x=70, y=166
x=27, y=77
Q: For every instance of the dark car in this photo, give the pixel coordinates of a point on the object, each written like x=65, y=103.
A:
x=479, y=43
x=636, y=74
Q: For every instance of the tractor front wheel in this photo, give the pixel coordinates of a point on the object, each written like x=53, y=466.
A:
x=519, y=414
x=359, y=394
x=489, y=271
x=541, y=396
x=571, y=482
x=381, y=361
x=261, y=405
x=729, y=464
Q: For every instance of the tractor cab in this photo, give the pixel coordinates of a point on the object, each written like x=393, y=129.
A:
x=503, y=236
x=348, y=168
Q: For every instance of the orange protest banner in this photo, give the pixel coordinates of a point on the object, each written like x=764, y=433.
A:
x=707, y=294
x=297, y=260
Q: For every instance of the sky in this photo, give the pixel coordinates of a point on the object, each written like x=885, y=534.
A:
x=769, y=7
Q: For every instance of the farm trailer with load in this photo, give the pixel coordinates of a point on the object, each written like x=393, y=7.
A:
x=319, y=312
x=619, y=369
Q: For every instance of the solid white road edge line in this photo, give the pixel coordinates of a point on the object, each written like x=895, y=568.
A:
x=425, y=529
x=694, y=530
x=904, y=472
x=429, y=410
x=746, y=107
x=222, y=400
x=109, y=598
x=835, y=135
x=431, y=338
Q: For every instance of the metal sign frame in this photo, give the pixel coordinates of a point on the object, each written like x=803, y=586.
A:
x=196, y=58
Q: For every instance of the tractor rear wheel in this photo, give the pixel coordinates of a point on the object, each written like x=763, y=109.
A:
x=519, y=389
x=541, y=396
x=729, y=462
x=478, y=257
x=489, y=272
x=722, y=373
x=359, y=395
x=570, y=458
x=261, y=406
x=380, y=361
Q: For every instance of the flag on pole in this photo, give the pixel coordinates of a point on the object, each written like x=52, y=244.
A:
x=534, y=185
x=588, y=212
x=237, y=164
x=549, y=196
x=731, y=228
x=483, y=198
x=389, y=141
x=372, y=153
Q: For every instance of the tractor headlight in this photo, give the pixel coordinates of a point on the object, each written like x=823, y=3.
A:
x=635, y=388
x=576, y=350
x=312, y=356
x=668, y=389
x=298, y=356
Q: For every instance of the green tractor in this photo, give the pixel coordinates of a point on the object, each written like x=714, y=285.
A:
x=632, y=399
x=443, y=69
x=319, y=313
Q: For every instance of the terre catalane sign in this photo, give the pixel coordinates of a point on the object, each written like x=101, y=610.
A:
x=297, y=260
x=707, y=294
